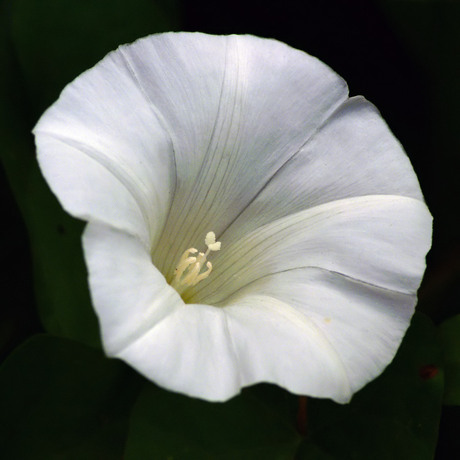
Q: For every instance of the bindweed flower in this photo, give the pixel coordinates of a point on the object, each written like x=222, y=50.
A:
x=247, y=220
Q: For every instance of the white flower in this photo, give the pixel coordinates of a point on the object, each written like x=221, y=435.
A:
x=322, y=224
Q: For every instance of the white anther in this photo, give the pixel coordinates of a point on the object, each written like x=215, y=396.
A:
x=214, y=246
x=211, y=242
x=210, y=238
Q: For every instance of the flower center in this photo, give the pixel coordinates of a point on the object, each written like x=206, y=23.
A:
x=188, y=270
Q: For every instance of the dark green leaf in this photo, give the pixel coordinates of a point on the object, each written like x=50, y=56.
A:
x=62, y=400
x=258, y=424
x=450, y=337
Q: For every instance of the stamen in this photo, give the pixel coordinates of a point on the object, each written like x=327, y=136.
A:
x=183, y=266
x=187, y=272
x=186, y=254
x=204, y=274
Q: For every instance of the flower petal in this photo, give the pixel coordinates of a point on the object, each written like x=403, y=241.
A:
x=380, y=240
x=190, y=352
x=361, y=324
x=352, y=154
x=275, y=343
x=232, y=108
x=144, y=321
x=129, y=294
x=104, y=152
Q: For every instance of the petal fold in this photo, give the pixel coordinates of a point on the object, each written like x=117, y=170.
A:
x=190, y=352
x=357, y=326
x=275, y=343
x=143, y=320
x=129, y=294
x=352, y=154
x=381, y=240
x=232, y=108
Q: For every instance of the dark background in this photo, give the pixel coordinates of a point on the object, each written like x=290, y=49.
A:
x=401, y=55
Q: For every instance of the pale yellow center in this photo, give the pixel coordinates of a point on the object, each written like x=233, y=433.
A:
x=188, y=271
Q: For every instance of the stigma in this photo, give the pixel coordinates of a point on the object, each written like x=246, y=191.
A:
x=188, y=271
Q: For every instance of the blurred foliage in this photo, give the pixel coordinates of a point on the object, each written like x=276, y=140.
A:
x=56, y=40
x=256, y=424
x=429, y=29
x=69, y=401
x=62, y=400
x=450, y=338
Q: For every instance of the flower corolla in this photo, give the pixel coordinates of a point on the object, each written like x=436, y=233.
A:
x=247, y=221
